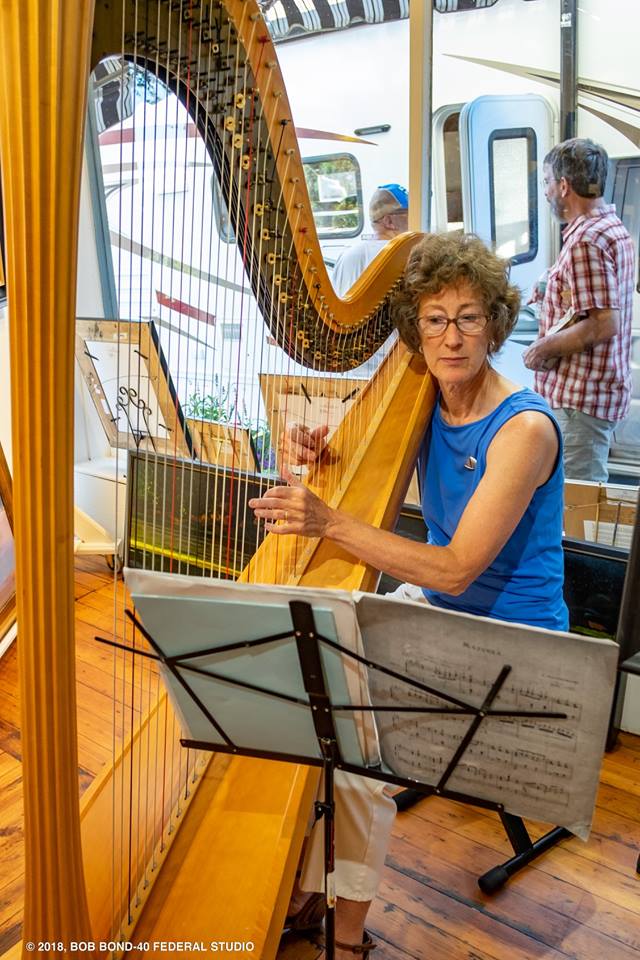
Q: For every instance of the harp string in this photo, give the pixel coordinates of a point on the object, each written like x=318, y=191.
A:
x=220, y=544
x=236, y=515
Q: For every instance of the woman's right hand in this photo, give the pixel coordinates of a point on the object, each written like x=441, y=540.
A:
x=301, y=446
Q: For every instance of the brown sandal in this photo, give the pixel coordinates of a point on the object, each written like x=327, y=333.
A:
x=362, y=949
x=309, y=917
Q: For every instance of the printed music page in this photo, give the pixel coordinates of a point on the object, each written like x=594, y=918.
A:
x=542, y=769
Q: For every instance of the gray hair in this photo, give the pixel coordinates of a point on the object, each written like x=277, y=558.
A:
x=582, y=163
x=383, y=202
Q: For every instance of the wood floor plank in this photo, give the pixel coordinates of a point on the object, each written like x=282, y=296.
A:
x=487, y=839
x=551, y=912
x=455, y=920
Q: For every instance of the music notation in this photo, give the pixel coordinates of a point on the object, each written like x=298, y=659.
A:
x=538, y=767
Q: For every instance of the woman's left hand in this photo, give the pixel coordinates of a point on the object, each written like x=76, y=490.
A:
x=293, y=509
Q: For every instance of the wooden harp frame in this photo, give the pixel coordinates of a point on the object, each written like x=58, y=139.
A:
x=45, y=58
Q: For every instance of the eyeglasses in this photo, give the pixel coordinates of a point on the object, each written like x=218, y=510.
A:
x=547, y=180
x=469, y=323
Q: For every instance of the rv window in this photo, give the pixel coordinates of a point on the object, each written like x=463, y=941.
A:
x=335, y=190
x=626, y=196
x=630, y=206
x=453, y=170
x=513, y=192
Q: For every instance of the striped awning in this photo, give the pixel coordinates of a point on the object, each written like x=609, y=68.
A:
x=287, y=19
x=114, y=92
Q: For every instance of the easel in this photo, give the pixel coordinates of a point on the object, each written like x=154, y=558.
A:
x=308, y=642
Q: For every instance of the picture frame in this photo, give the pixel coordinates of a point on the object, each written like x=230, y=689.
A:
x=222, y=444
x=314, y=401
x=128, y=379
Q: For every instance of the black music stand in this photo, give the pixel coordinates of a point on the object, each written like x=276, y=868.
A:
x=309, y=642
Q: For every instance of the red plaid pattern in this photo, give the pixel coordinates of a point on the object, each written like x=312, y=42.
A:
x=594, y=269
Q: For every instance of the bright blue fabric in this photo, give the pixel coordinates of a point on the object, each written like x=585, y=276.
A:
x=524, y=582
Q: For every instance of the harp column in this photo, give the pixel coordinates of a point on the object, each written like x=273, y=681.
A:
x=44, y=58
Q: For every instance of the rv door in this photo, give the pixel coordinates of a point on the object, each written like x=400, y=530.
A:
x=503, y=141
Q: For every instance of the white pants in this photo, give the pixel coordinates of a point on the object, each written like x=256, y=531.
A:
x=363, y=820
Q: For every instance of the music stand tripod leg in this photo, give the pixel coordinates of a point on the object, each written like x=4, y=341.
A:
x=525, y=849
x=408, y=798
x=326, y=811
x=308, y=644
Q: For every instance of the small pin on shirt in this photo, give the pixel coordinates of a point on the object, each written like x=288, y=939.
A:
x=470, y=463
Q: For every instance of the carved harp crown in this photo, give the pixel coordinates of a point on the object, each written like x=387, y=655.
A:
x=88, y=873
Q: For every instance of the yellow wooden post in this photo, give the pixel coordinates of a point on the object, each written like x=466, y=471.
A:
x=420, y=150
x=44, y=58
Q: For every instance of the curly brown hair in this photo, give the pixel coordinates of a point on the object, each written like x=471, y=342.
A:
x=446, y=260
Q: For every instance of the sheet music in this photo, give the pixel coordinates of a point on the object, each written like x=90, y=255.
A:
x=543, y=769
x=195, y=613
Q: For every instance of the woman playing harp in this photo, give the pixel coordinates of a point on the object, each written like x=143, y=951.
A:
x=492, y=450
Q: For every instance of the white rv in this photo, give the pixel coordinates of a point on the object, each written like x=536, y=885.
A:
x=495, y=92
x=496, y=102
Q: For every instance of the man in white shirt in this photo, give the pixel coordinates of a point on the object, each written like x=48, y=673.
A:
x=388, y=213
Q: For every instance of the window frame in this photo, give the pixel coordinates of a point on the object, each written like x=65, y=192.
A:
x=343, y=234
x=528, y=134
x=618, y=192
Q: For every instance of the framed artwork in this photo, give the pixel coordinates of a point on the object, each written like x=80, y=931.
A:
x=313, y=401
x=129, y=382
x=202, y=542
x=223, y=444
x=7, y=553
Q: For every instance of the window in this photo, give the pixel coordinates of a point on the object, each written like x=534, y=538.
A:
x=630, y=205
x=626, y=196
x=231, y=331
x=453, y=170
x=514, y=193
x=335, y=190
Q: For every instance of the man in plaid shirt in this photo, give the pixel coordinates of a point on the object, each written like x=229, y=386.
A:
x=582, y=357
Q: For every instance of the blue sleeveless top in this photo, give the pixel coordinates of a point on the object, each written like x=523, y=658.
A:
x=524, y=582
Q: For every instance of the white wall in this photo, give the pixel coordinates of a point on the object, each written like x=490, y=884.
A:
x=90, y=438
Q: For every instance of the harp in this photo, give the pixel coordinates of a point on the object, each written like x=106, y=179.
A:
x=219, y=62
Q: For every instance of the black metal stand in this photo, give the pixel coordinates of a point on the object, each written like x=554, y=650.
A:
x=318, y=700
x=524, y=847
x=308, y=644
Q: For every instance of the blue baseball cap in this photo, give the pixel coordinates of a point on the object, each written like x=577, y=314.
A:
x=401, y=194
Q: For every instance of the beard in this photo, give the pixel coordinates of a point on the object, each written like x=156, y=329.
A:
x=557, y=210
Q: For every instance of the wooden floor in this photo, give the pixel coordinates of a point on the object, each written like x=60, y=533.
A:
x=578, y=901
